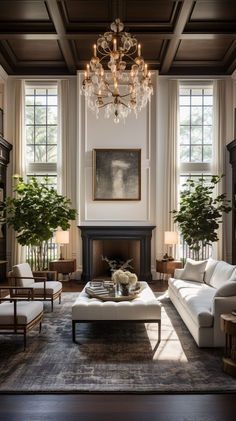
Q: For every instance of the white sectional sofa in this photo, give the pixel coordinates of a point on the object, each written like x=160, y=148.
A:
x=201, y=292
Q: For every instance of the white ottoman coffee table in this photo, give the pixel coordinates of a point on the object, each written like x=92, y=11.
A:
x=143, y=309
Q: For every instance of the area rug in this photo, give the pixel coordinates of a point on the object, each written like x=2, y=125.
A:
x=122, y=358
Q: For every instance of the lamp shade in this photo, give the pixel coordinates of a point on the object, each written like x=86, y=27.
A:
x=62, y=237
x=171, y=237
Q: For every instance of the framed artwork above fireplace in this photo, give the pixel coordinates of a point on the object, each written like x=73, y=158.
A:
x=116, y=174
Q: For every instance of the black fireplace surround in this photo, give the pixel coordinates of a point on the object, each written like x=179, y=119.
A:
x=141, y=233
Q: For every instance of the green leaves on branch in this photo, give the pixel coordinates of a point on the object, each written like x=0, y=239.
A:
x=200, y=213
x=37, y=211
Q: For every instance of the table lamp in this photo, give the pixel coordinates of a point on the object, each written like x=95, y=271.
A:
x=170, y=239
x=62, y=238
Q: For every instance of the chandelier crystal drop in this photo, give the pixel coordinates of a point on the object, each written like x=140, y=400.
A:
x=123, y=87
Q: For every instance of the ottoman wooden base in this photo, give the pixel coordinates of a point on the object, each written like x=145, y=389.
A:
x=74, y=322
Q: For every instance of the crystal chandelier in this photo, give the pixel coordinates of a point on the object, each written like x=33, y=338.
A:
x=117, y=90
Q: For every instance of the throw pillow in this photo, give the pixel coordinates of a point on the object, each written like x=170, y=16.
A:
x=222, y=273
x=194, y=270
x=210, y=267
x=227, y=290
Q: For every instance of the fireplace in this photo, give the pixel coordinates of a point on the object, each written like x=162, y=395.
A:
x=123, y=242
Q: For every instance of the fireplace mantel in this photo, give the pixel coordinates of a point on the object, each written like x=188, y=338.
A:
x=142, y=233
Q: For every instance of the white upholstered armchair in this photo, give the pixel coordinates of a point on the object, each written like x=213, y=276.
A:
x=22, y=276
x=19, y=317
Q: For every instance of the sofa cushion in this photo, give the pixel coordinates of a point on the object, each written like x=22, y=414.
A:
x=26, y=312
x=221, y=274
x=210, y=267
x=194, y=270
x=23, y=269
x=196, y=298
x=228, y=289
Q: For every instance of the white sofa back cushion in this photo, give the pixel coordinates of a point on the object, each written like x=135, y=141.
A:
x=221, y=274
x=194, y=270
x=210, y=267
x=228, y=289
x=23, y=269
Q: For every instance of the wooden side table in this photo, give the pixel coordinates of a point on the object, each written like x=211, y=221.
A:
x=228, y=325
x=167, y=267
x=64, y=266
x=51, y=275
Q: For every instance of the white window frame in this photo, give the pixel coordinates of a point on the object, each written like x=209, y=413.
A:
x=45, y=168
x=197, y=168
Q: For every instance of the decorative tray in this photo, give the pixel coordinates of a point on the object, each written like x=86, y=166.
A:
x=114, y=295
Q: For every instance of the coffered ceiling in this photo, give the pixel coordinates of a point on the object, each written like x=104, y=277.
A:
x=177, y=36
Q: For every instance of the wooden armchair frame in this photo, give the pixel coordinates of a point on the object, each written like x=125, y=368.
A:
x=17, y=328
x=45, y=296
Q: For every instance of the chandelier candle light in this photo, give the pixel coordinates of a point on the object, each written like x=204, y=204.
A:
x=117, y=90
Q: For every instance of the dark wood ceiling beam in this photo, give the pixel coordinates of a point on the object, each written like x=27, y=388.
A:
x=60, y=29
x=179, y=28
x=84, y=35
x=5, y=64
x=28, y=36
x=43, y=63
x=230, y=52
x=197, y=63
x=231, y=68
x=207, y=36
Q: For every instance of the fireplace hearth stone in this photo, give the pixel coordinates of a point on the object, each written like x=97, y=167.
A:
x=141, y=233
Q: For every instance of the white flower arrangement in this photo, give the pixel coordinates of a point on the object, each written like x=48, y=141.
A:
x=125, y=278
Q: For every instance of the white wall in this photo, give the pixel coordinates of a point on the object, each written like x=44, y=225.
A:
x=137, y=133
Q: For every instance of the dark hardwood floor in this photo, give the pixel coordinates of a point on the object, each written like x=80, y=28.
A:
x=117, y=407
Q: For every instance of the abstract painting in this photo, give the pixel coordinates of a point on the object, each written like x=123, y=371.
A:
x=116, y=174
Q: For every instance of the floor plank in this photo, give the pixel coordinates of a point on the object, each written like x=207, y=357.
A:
x=212, y=407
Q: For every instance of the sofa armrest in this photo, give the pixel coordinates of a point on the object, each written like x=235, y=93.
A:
x=221, y=305
x=178, y=273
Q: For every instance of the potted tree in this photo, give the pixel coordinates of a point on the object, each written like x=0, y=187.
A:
x=35, y=213
x=200, y=214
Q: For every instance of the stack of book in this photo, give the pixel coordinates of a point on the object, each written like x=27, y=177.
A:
x=98, y=289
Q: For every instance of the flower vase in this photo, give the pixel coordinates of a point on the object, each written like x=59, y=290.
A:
x=124, y=289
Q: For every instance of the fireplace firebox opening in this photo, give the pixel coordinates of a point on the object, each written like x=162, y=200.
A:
x=115, y=249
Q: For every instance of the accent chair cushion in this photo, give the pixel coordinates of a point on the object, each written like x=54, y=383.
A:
x=221, y=274
x=51, y=288
x=228, y=289
x=23, y=269
x=194, y=270
x=26, y=312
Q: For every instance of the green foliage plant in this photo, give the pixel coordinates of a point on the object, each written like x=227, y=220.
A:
x=200, y=213
x=35, y=213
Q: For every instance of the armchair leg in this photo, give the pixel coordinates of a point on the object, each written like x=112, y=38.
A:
x=40, y=327
x=52, y=304
x=60, y=299
x=159, y=331
x=25, y=342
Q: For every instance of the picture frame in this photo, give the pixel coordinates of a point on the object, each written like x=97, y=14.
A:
x=117, y=174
